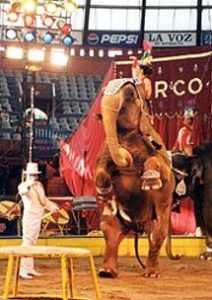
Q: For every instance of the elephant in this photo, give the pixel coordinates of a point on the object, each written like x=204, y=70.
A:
x=133, y=176
x=203, y=193
x=196, y=172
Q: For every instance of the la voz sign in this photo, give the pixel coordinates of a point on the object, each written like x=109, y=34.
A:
x=130, y=39
x=171, y=39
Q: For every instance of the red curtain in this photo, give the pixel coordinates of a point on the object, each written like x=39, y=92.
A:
x=78, y=155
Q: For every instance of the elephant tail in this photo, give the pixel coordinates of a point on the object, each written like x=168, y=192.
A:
x=168, y=245
x=136, y=251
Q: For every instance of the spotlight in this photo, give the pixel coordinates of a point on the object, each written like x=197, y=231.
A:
x=66, y=28
x=30, y=6
x=29, y=36
x=59, y=59
x=13, y=16
x=50, y=7
x=35, y=54
x=11, y=34
x=60, y=23
x=48, y=21
x=48, y=37
x=29, y=20
x=70, y=5
x=14, y=52
x=16, y=6
x=68, y=40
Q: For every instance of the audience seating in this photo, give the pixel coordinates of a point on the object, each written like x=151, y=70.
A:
x=74, y=93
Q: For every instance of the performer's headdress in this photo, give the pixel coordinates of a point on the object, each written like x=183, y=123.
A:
x=144, y=63
x=146, y=59
x=32, y=169
x=188, y=112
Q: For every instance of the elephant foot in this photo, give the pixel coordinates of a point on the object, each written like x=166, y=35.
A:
x=207, y=255
x=152, y=274
x=107, y=273
x=150, y=180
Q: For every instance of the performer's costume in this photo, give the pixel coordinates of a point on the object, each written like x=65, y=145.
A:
x=35, y=204
x=184, y=140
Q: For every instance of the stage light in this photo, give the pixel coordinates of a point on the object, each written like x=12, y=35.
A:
x=48, y=21
x=70, y=5
x=68, y=40
x=13, y=16
x=36, y=55
x=60, y=23
x=14, y=52
x=66, y=28
x=16, y=6
x=11, y=34
x=59, y=58
x=50, y=7
x=29, y=6
x=48, y=37
x=30, y=36
x=29, y=20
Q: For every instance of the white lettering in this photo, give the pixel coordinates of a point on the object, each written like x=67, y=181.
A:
x=175, y=85
x=105, y=38
x=161, y=88
x=199, y=86
x=120, y=38
x=179, y=87
x=78, y=162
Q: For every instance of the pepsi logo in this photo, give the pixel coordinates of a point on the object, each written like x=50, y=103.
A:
x=93, y=39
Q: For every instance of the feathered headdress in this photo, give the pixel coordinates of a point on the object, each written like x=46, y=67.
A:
x=145, y=61
x=146, y=58
x=188, y=112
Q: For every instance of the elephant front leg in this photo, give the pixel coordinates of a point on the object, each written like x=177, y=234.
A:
x=113, y=235
x=102, y=178
x=155, y=173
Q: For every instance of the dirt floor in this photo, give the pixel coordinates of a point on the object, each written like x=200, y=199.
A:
x=189, y=278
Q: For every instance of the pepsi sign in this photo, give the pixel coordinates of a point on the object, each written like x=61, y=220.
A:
x=114, y=39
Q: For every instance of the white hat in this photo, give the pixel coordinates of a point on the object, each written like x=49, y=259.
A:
x=32, y=168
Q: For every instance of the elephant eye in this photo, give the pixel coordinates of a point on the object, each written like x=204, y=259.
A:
x=129, y=95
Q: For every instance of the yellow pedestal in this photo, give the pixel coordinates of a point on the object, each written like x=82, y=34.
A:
x=66, y=256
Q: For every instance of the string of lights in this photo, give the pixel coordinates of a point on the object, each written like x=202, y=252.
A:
x=41, y=21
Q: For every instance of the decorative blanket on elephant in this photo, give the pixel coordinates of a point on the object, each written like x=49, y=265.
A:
x=114, y=85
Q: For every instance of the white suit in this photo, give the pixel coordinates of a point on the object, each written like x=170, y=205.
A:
x=35, y=205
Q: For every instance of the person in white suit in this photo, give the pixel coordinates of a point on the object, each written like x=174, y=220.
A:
x=36, y=204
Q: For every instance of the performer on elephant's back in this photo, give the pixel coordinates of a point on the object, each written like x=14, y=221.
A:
x=140, y=72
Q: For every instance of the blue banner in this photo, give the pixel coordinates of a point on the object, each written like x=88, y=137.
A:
x=116, y=39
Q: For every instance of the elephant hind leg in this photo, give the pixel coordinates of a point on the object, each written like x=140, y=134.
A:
x=113, y=234
x=156, y=239
x=107, y=273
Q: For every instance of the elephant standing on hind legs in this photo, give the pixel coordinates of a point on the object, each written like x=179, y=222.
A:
x=133, y=176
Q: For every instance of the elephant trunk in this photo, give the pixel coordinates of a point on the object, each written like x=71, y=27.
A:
x=111, y=105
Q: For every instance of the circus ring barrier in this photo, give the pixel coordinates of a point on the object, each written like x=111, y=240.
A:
x=64, y=254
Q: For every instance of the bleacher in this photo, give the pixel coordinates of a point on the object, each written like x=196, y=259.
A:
x=74, y=94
